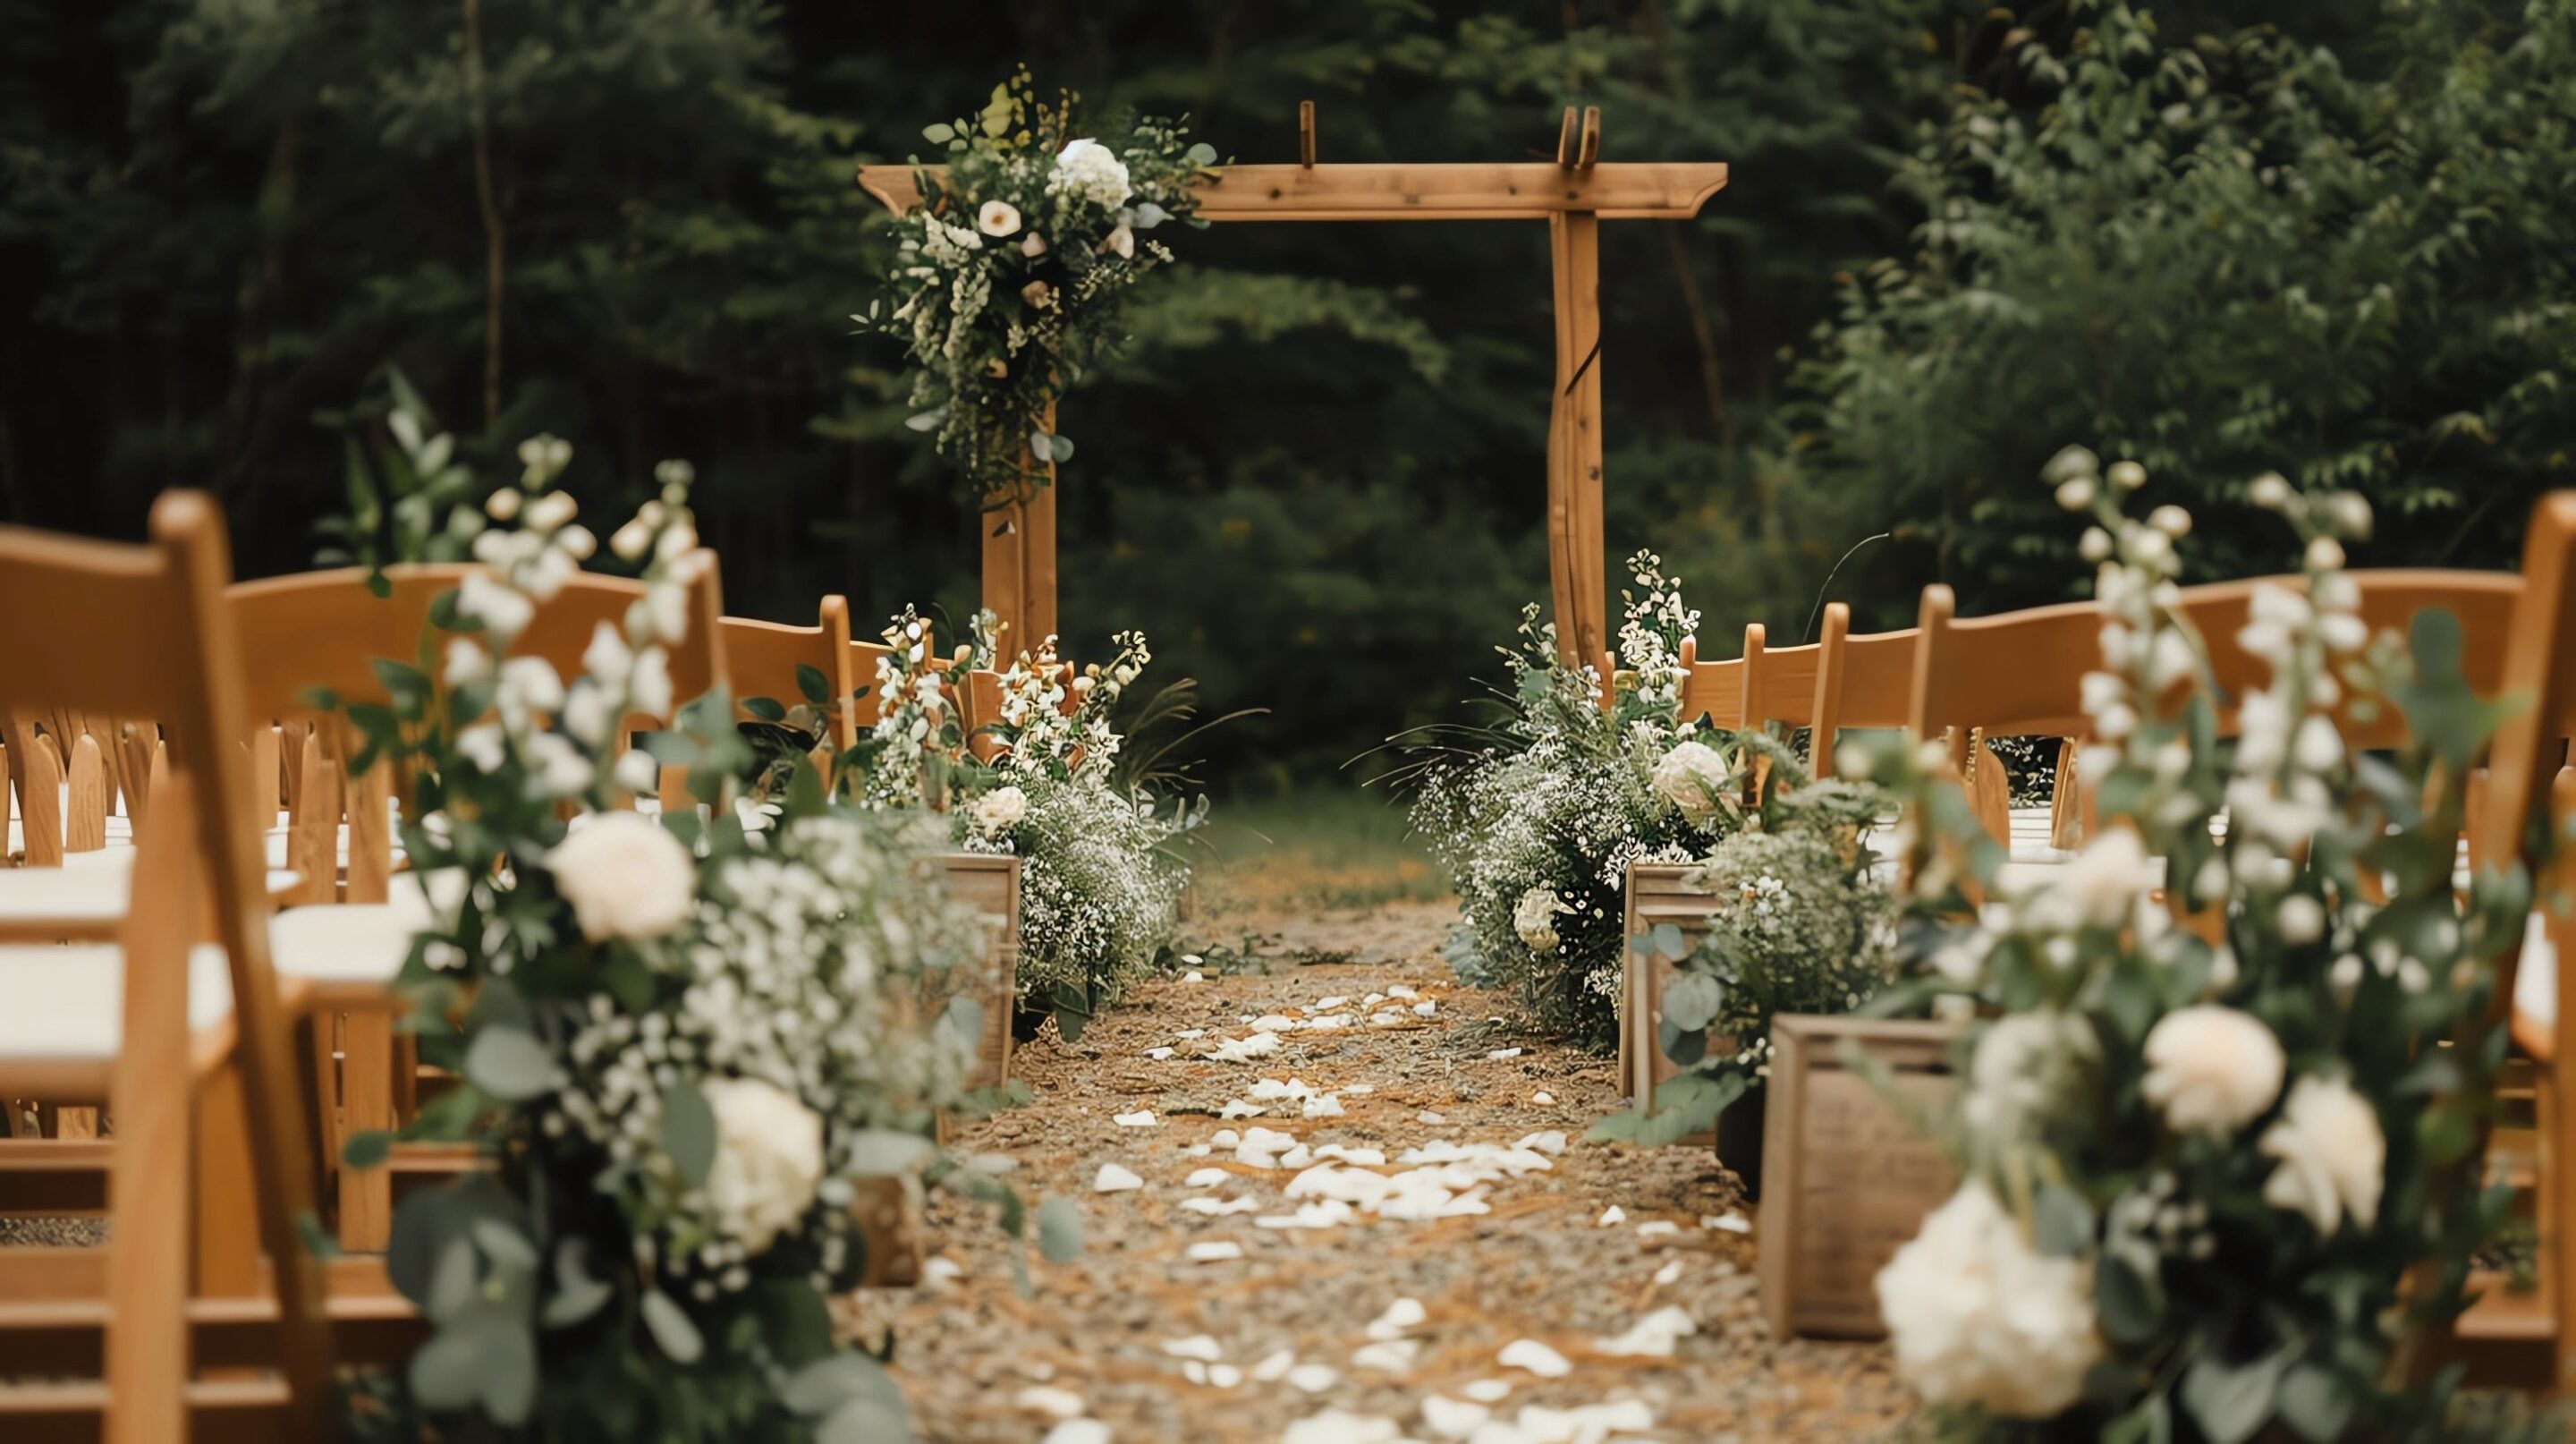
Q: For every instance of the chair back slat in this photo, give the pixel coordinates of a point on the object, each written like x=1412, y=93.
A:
x=762, y=658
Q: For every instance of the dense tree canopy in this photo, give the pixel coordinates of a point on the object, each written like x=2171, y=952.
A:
x=1956, y=238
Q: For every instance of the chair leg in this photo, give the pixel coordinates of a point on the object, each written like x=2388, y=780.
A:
x=227, y=1263
x=366, y=1105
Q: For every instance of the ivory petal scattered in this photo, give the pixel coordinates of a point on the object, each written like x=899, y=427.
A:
x=1114, y=1179
x=1535, y=1357
x=1053, y=1402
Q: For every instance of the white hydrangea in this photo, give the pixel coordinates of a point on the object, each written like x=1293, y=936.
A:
x=768, y=1164
x=1978, y=1318
x=1090, y=172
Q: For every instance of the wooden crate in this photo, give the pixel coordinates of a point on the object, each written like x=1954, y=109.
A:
x=1847, y=1178
x=990, y=884
x=1655, y=892
x=888, y=1212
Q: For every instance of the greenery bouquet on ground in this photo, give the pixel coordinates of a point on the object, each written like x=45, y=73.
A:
x=687, y=1042
x=2215, y=1152
x=1799, y=923
x=1538, y=817
x=1052, y=779
x=1010, y=278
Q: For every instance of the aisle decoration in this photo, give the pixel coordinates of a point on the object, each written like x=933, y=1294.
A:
x=1010, y=280
x=2216, y=1165
x=1058, y=786
x=1800, y=922
x=686, y=1043
x=1539, y=817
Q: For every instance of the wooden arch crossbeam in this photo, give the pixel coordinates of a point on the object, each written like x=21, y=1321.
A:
x=1573, y=195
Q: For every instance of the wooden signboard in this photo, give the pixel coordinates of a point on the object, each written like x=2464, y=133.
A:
x=1847, y=1177
x=990, y=884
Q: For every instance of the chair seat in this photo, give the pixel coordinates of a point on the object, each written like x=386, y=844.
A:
x=90, y=887
x=67, y=1004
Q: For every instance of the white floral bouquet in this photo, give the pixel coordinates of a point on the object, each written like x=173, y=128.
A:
x=1539, y=817
x=1101, y=877
x=684, y=1040
x=1008, y=281
x=2216, y=1130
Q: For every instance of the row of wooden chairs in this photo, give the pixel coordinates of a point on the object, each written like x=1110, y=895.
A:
x=1970, y=680
x=176, y=998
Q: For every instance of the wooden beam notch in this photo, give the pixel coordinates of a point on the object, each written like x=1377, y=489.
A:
x=1306, y=134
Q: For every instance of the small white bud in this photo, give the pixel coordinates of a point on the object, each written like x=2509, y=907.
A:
x=2128, y=475
x=2270, y=491
x=2075, y=493
x=503, y=504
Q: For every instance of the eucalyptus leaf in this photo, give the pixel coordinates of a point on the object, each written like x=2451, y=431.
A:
x=509, y=1385
x=509, y=1063
x=669, y=1325
x=1691, y=1001
x=446, y=1373
x=2316, y=1403
x=2230, y=1402
x=884, y=1152
x=688, y=1132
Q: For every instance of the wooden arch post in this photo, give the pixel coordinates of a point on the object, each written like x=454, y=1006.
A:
x=1573, y=194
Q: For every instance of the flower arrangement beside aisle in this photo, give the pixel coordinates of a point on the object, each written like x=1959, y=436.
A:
x=2214, y=1150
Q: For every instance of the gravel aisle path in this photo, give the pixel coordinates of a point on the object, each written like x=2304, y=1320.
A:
x=1205, y=1323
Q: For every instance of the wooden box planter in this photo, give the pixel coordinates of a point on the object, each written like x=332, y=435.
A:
x=1655, y=892
x=990, y=884
x=1848, y=1177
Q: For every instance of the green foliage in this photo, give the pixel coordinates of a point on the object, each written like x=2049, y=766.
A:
x=2223, y=253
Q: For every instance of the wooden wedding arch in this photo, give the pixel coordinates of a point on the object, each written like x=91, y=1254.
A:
x=1574, y=194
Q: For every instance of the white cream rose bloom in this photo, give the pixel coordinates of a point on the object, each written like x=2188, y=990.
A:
x=1978, y=1317
x=2332, y=1155
x=769, y=1161
x=1090, y=171
x=1693, y=777
x=998, y=811
x=1534, y=918
x=625, y=876
x=2211, y=1069
x=2100, y=887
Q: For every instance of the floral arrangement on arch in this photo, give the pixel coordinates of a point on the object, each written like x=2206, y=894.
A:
x=1539, y=816
x=2215, y=1152
x=1009, y=280
x=1055, y=784
x=688, y=1042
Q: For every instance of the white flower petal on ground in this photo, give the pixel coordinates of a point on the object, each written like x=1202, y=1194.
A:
x=1323, y=1214
x=1052, y=1402
x=1487, y=1391
x=1402, y=990
x=1500, y=1054
x=1213, y=1251
x=1219, y=1207
x=1141, y=1118
x=1613, y=1216
x=1274, y=1366
x=1158, y=1054
x=1314, y=1378
x=1231, y=1050
x=1537, y=1424
x=1271, y=1090
x=1335, y=1427
x=1237, y=1108
x=939, y=1272
x=1114, y=1179
x=1658, y=1228
x=1728, y=1223
x=1669, y=1272
x=1550, y=1141
x=1078, y=1431
x=1196, y=1346
x=1329, y=1004
x=1387, y=1356
x=1653, y=1336
x=1543, y=1098
x=1327, y=1106
x=1452, y=1418
x=1206, y=1178
x=1223, y=1376
x=1401, y=1317
x=1427, y=1116
x=1426, y=1009
x=1535, y=1357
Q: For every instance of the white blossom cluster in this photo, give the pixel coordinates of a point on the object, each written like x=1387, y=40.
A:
x=818, y=966
x=1795, y=926
x=563, y=734
x=1572, y=794
x=1099, y=895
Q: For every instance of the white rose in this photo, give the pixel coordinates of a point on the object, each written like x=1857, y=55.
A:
x=1693, y=777
x=625, y=876
x=2332, y=1155
x=998, y=811
x=769, y=1161
x=558, y=768
x=2100, y=887
x=997, y=218
x=1090, y=171
x=1978, y=1318
x=1534, y=918
x=2211, y=1068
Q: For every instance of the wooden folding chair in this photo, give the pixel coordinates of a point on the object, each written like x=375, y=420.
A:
x=764, y=658
x=187, y=1036
x=353, y=918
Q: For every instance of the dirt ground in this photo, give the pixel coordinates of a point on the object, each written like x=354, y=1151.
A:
x=1139, y=1341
